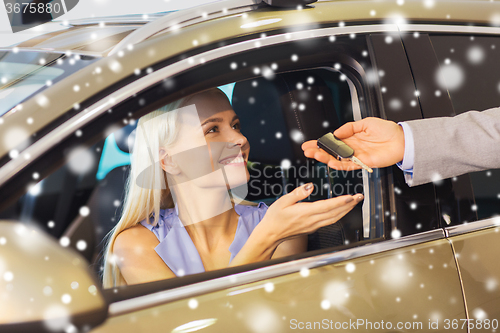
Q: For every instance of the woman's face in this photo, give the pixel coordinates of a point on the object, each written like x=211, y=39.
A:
x=210, y=149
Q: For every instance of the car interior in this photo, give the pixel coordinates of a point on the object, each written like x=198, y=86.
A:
x=276, y=116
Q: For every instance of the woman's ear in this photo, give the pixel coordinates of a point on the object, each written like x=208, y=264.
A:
x=167, y=163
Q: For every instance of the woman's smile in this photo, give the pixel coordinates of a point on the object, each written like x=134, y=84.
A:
x=233, y=160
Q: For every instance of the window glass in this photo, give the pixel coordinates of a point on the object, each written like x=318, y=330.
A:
x=80, y=199
x=23, y=74
x=472, y=65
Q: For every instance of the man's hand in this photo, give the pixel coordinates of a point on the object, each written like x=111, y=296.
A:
x=376, y=142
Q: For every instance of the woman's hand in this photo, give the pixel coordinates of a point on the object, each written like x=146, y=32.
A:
x=287, y=217
x=376, y=142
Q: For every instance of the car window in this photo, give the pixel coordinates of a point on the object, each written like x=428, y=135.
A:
x=471, y=62
x=23, y=73
x=82, y=200
x=283, y=95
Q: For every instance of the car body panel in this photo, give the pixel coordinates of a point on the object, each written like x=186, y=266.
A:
x=27, y=251
x=477, y=255
x=421, y=278
x=410, y=279
x=63, y=97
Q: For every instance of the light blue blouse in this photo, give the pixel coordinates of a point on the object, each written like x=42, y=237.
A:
x=178, y=250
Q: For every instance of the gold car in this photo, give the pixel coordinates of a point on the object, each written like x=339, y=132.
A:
x=405, y=260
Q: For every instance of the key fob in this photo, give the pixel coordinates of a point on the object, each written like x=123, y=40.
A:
x=335, y=147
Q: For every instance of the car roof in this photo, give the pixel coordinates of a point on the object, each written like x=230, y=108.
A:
x=170, y=40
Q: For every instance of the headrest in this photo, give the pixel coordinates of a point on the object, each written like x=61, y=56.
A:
x=278, y=115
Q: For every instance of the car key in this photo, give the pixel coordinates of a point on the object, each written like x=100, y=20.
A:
x=338, y=149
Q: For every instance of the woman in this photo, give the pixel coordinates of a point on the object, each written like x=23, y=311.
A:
x=179, y=216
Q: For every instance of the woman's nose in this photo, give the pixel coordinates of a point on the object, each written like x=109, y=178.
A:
x=238, y=140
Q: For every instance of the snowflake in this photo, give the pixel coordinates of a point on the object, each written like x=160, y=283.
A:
x=193, y=303
x=395, y=234
x=286, y=164
x=479, y=314
x=296, y=135
x=395, y=104
x=64, y=241
x=491, y=284
x=350, y=268
x=335, y=293
x=84, y=211
x=263, y=319
x=81, y=245
x=114, y=65
x=42, y=100
x=450, y=77
x=56, y=317
x=47, y=291
x=429, y=4
x=80, y=161
x=8, y=276
x=66, y=298
x=268, y=73
x=475, y=55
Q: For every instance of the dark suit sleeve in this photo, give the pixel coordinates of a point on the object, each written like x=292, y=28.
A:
x=450, y=146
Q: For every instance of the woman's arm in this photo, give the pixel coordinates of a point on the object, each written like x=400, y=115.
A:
x=287, y=218
x=135, y=255
x=291, y=246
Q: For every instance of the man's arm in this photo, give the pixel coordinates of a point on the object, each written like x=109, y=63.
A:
x=450, y=146
x=443, y=147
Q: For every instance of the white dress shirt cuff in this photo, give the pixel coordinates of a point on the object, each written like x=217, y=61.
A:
x=409, y=155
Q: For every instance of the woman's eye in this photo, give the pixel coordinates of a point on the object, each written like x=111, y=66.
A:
x=237, y=126
x=212, y=130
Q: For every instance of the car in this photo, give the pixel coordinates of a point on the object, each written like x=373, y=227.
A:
x=406, y=259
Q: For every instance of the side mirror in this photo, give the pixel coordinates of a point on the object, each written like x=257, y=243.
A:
x=44, y=286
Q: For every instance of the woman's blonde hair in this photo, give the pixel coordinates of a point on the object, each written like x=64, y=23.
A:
x=154, y=130
x=141, y=201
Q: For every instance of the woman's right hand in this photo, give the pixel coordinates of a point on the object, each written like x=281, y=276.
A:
x=287, y=217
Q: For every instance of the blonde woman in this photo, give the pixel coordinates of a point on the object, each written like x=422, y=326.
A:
x=181, y=217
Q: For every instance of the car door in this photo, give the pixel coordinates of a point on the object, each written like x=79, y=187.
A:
x=396, y=270
x=466, y=61
x=386, y=265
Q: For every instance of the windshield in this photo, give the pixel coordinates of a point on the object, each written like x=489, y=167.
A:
x=25, y=73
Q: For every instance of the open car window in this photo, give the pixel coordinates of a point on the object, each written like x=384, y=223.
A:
x=82, y=200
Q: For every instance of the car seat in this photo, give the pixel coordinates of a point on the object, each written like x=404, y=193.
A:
x=290, y=109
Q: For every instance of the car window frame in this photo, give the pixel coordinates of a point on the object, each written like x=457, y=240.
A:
x=424, y=63
x=144, y=82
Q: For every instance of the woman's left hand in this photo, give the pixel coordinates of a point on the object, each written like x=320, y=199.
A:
x=288, y=218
